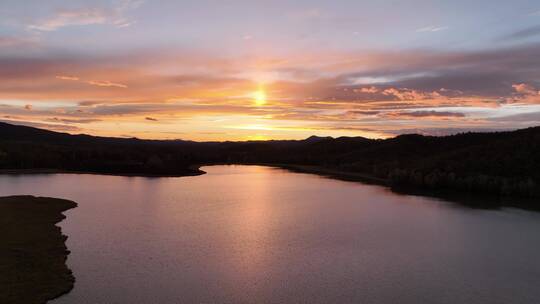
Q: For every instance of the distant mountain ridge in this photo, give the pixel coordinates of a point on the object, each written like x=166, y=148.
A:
x=499, y=163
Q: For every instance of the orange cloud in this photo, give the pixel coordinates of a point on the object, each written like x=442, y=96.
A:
x=408, y=94
x=523, y=88
x=526, y=94
x=371, y=90
x=316, y=91
x=72, y=78
x=107, y=84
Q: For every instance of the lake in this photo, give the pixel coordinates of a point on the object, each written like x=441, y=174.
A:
x=252, y=234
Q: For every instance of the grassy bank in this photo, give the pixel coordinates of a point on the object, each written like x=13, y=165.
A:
x=32, y=251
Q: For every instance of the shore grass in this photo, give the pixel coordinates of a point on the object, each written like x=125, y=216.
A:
x=32, y=250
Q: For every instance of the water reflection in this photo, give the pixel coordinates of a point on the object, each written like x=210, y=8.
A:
x=249, y=234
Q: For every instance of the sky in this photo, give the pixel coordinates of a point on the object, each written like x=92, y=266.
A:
x=255, y=70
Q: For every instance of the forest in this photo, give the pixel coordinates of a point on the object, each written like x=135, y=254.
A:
x=498, y=163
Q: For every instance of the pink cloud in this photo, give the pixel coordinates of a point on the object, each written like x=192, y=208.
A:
x=370, y=90
x=525, y=94
x=523, y=88
x=408, y=94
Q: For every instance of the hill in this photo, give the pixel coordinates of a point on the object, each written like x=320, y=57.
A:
x=499, y=163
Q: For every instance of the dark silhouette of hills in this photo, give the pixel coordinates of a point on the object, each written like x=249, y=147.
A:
x=499, y=163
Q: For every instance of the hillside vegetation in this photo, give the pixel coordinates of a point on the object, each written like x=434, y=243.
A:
x=500, y=163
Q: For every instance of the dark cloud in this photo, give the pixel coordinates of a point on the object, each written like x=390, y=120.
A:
x=150, y=119
x=88, y=103
x=487, y=72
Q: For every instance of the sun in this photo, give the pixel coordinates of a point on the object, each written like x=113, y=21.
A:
x=259, y=97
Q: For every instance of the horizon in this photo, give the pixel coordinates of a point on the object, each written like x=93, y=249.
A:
x=267, y=140
x=270, y=70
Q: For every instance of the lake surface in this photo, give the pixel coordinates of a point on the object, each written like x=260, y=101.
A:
x=250, y=234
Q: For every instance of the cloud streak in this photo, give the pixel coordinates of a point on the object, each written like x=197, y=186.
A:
x=432, y=29
x=529, y=32
x=107, y=84
x=307, y=92
x=86, y=16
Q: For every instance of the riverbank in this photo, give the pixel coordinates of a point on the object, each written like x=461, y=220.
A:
x=193, y=171
x=33, y=252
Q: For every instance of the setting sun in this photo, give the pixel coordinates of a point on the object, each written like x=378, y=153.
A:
x=259, y=97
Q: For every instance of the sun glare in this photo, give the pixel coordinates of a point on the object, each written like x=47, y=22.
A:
x=259, y=97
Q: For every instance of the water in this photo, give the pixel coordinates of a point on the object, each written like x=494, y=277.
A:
x=249, y=234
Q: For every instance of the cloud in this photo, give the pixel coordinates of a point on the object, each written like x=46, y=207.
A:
x=367, y=113
x=524, y=33
x=526, y=93
x=417, y=76
x=71, y=18
x=523, y=88
x=479, y=73
x=532, y=117
x=370, y=90
x=107, y=84
x=72, y=121
x=28, y=107
x=415, y=89
x=408, y=94
x=87, y=16
x=72, y=78
x=414, y=114
x=89, y=103
x=150, y=119
x=432, y=28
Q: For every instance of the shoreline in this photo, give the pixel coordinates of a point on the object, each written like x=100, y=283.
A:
x=473, y=200
x=332, y=173
x=196, y=172
x=469, y=199
x=33, y=252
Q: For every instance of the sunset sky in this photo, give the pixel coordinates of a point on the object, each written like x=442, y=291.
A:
x=243, y=70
